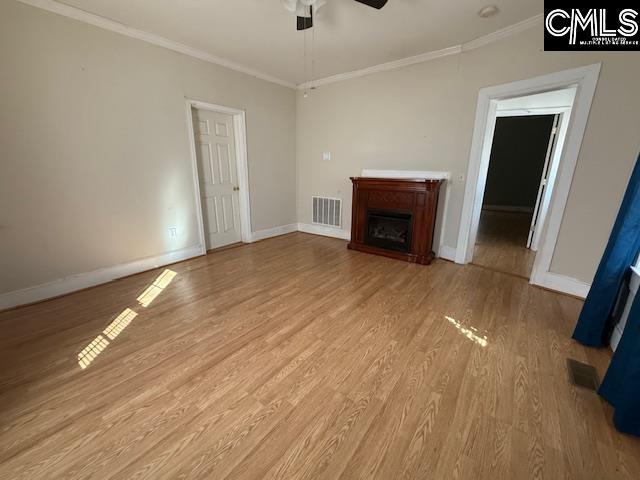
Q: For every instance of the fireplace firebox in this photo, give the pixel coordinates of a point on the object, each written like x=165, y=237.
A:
x=390, y=230
x=394, y=217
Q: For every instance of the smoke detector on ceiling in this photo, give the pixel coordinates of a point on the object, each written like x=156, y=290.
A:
x=488, y=11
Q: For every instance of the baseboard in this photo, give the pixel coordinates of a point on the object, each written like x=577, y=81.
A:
x=273, y=232
x=80, y=281
x=564, y=284
x=324, y=231
x=447, y=253
x=507, y=208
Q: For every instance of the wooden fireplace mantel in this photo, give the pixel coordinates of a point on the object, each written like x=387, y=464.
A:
x=418, y=197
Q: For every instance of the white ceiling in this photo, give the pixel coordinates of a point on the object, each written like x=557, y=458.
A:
x=261, y=34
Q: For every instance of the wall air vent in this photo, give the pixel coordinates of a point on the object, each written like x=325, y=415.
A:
x=327, y=211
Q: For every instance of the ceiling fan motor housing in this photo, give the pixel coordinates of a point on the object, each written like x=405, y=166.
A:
x=304, y=9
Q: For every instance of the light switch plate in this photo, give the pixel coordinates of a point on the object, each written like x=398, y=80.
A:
x=326, y=156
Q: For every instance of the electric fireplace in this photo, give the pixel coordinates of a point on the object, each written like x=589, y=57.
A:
x=391, y=230
x=394, y=217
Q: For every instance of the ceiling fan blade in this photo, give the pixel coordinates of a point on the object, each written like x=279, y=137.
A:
x=374, y=3
x=303, y=23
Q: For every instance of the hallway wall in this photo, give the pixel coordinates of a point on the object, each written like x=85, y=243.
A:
x=517, y=159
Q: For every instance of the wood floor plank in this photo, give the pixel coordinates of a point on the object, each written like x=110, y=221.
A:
x=297, y=358
x=502, y=241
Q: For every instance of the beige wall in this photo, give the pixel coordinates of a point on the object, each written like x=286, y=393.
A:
x=421, y=118
x=94, y=154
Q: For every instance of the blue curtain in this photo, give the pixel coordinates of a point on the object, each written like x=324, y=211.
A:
x=594, y=324
x=621, y=385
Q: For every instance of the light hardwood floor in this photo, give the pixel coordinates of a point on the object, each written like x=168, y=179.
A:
x=297, y=358
x=502, y=242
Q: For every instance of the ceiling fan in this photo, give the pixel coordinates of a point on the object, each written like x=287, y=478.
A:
x=304, y=9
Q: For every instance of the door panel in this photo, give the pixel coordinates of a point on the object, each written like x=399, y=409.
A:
x=202, y=127
x=211, y=215
x=534, y=234
x=205, y=163
x=222, y=130
x=231, y=212
x=224, y=164
x=217, y=173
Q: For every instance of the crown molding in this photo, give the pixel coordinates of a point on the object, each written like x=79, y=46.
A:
x=117, y=27
x=503, y=33
x=111, y=25
x=383, y=67
x=428, y=56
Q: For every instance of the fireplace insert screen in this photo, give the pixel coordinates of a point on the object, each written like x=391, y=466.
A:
x=390, y=230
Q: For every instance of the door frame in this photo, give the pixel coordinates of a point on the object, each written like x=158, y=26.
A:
x=585, y=79
x=242, y=167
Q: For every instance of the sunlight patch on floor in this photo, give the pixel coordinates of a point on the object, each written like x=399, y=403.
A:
x=156, y=288
x=469, y=333
x=121, y=322
x=91, y=351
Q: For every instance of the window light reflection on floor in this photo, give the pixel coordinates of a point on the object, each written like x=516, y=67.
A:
x=156, y=287
x=121, y=322
x=98, y=344
x=482, y=341
x=91, y=351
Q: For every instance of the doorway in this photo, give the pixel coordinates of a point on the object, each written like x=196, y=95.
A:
x=218, y=144
x=518, y=174
x=572, y=125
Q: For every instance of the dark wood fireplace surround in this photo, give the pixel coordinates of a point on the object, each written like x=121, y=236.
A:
x=413, y=199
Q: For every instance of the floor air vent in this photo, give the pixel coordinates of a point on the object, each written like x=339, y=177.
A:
x=582, y=375
x=327, y=211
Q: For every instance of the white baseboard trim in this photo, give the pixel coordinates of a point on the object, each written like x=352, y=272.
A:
x=507, y=208
x=324, y=231
x=447, y=253
x=273, y=232
x=562, y=283
x=73, y=283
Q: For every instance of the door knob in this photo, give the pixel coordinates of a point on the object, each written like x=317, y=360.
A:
x=235, y=189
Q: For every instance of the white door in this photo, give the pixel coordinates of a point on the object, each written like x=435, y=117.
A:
x=218, y=175
x=536, y=224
